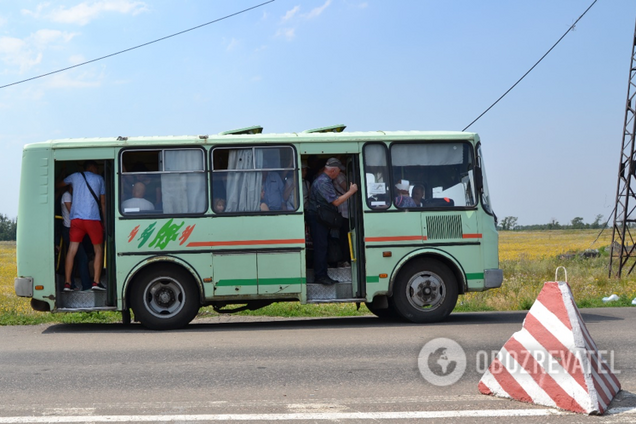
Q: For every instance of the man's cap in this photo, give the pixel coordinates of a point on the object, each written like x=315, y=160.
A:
x=303, y=164
x=403, y=185
x=335, y=162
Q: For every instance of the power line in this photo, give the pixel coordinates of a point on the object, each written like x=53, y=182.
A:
x=533, y=66
x=139, y=46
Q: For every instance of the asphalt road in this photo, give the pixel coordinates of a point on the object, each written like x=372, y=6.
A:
x=268, y=370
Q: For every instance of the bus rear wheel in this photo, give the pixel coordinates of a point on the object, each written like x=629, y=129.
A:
x=425, y=291
x=165, y=298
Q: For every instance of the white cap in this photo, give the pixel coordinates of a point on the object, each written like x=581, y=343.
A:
x=403, y=185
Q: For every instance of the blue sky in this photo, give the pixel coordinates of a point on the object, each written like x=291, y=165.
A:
x=552, y=145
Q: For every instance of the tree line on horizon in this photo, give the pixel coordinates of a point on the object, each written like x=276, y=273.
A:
x=509, y=223
x=8, y=228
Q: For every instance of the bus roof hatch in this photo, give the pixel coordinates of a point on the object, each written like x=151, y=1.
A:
x=256, y=129
x=332, y=128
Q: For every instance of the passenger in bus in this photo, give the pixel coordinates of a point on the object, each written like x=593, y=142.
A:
x=137, y=203
x=86, y=219
x=81, y=256
x=274, y=191
x=151, y=183
x=340, y=184
x=289, y=194
x=219, y=205
x=418, y=195
x=263, y=206
x=403, y=200
x=323, y=192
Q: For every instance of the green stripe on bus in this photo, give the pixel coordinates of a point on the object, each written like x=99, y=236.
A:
x=284, y=281
x=475, y=276
x=260, y=281
x=373, y=279
x=246, y=282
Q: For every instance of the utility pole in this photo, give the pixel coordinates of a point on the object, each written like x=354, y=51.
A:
x=623, y=247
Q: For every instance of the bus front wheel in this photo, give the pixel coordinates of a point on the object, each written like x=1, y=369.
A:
x=165, y=298
x=425, y=291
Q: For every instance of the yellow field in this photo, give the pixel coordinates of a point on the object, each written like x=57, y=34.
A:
x=528, y=258
x=515, y=245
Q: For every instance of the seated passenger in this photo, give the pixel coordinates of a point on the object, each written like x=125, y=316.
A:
x=403, y=200
x=263, y=205
x=274, y=191
x=219, y=205
x=137, y=203
x=418, y=195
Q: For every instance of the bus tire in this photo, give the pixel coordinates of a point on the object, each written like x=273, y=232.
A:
x=165, y=298
x=385, y=313
x=425, y=291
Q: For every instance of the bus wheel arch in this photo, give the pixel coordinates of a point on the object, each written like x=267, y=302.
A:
x=425, y=288
x=163, y=295
x=450, y=262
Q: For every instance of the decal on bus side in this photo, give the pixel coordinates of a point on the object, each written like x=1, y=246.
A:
x=169, y=232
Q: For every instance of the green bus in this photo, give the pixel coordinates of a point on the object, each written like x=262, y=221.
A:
x=208, y=240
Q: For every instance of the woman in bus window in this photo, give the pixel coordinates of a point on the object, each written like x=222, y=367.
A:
x=403, y=200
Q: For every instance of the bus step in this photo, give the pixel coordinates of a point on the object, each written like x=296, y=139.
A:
x=323, y=292
x=342, y=290
x=82, y=299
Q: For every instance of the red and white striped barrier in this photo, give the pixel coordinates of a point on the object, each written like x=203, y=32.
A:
x=553, y=360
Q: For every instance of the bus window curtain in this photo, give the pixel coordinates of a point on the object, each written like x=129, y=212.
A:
x=244, y=188
x=183, y=192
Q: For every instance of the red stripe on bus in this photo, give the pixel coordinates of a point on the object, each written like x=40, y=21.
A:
x=471, y=236
x=243, y=242
x=396, y=238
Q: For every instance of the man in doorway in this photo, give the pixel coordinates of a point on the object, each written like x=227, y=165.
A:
x=323, y=191
x=89, y=195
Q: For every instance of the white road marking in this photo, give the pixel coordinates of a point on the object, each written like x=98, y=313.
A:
x=284, y=417
x=302, y=416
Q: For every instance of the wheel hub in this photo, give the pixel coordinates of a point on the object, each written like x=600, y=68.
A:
x=165, y=297
x=425, y=291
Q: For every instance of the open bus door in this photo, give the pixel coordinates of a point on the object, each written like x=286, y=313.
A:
x=356, y=230
x=89, y=300
x=351, y=279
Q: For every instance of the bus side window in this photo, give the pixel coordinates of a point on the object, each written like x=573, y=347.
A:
x=377, y=176
x=173, y=180
x=251, y=179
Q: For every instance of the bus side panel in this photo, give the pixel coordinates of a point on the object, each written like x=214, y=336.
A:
x=390, y=246
x=388, y=237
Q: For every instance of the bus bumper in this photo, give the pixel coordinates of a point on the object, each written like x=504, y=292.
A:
x=493, y=278
x=23, y=286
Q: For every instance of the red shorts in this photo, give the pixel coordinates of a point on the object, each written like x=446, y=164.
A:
x=81, y=227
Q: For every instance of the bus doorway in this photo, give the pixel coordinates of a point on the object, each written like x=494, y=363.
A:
x=81, y=296
x=344, y=249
